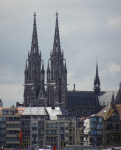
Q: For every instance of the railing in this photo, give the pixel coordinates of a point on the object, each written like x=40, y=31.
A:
x=8, y=113
x=13, y=119
x=51, y=134
x=51, y=127
x=50, y=141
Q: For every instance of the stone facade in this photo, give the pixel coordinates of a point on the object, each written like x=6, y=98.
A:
x=78, y=103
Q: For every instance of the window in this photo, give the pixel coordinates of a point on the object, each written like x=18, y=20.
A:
x=34, y=131
x=2, y=118
x=100, y=120
x=34, y=124
x=51, y=125
x=62, y=124
x=34, y=117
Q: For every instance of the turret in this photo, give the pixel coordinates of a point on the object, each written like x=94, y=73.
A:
x=48, y=72
x=112, y=100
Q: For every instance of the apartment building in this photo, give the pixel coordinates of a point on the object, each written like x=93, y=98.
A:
x=10, y=125
x=105, y=127
x=111, y=125
x=96, y=130
x=39, y=125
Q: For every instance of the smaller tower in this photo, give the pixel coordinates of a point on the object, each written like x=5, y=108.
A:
x=112, y=100
x=120, y=85
x=74, y=87
x=97, y=81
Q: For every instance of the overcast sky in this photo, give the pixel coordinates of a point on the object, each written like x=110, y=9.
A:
x=88, y=29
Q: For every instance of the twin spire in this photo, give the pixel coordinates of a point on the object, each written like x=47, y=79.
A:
x=57, y=49
x=34, y=44
x=56, y=45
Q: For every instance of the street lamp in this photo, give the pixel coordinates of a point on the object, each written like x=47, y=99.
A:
x=44, y=123
x=59, y=124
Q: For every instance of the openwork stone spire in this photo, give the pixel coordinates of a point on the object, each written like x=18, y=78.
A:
x=34, y=72
x=57, y=74
x=56, y=45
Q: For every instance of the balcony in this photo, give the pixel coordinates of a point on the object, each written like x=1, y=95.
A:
x=11, y=135
x=11, y=122
x=12, y=129
x=12, y=142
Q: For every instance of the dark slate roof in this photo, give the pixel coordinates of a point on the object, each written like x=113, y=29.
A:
x=81, y=97
x=82, y=93
x=104, y=97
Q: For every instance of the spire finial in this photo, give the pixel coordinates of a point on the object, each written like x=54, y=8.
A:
x=96, y=66
x=34, y=15
x=56, y=15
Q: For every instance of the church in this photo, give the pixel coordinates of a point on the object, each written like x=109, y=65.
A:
x=54, y=92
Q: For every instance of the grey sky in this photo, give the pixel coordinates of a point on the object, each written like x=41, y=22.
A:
x=88, y=29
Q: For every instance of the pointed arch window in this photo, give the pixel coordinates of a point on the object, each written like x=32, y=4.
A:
x=59, y=70
x=53, y=71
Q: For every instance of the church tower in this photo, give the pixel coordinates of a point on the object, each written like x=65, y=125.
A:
x=97, y=81
x=34, y=72
x=56, y=73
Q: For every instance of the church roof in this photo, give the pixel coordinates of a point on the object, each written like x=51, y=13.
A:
x=104, y=97
x=81, y=93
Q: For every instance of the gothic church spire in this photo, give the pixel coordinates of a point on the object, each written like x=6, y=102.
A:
x=34, y=44
x=57, y=72
x=97, y=81
x=34, y=72
x=56, y=45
